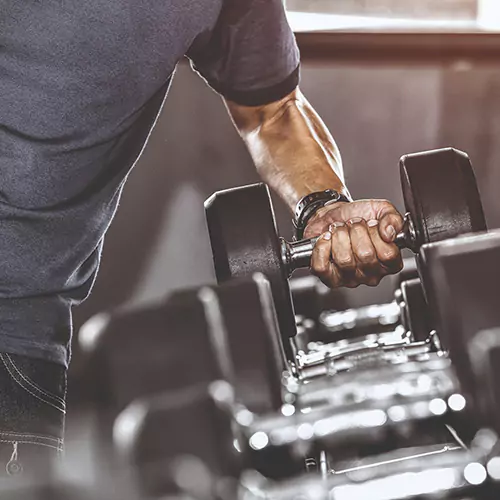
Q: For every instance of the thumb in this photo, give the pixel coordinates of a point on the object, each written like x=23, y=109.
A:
x=390, y=223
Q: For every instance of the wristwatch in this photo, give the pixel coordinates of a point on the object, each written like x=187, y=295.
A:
x=310, y=204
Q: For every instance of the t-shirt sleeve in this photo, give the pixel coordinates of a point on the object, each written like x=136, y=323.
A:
x=251, y=56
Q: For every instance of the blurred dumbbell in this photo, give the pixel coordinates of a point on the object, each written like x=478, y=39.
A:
x=427, y=472
x=23, y=490
x=408, y=309
x=230, y=316
x=461, y=279
x=191, y=443
x=182, y=443
x=376, y=331
x=185, y=341
x=415, y=316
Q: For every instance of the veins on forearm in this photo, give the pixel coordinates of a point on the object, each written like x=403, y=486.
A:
x=291, y=147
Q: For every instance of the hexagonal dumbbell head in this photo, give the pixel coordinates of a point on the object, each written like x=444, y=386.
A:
x=182, y=442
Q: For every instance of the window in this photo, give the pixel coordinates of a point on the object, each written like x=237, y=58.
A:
x=426, y=15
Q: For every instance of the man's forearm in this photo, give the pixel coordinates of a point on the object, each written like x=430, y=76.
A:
x=291, y=147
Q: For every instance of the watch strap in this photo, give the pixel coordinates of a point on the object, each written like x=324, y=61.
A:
x=308, y=205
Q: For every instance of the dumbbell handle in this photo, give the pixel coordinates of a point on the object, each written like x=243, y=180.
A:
x=297, y=254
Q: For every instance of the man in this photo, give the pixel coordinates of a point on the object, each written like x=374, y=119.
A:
x=81, y=85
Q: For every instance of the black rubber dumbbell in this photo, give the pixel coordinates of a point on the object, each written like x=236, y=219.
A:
x=461, y=280
x=184, y=341
x=441, y=202
x=182, y=443
x=415, y=316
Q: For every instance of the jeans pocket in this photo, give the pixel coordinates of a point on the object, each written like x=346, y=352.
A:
x=42, y=380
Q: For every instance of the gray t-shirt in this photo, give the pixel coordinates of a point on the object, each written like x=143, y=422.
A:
x=81, y=85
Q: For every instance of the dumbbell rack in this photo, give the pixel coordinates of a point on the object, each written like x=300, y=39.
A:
x=365, y=389
x=381, y=402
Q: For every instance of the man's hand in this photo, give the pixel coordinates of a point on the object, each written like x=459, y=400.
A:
x=296, y=155
x=356, y=244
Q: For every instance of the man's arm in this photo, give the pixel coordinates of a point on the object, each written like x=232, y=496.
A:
x=290, y=146
x=296, y=155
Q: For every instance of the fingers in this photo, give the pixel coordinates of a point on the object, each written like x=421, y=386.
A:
x=354, y=253
x=343, y=256
x=342, y=253
x=390, y=223
x=321, y=263
x=359, y=246
x=388, y=254
x=364, y=252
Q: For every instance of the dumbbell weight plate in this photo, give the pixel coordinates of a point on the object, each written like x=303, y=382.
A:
x=254, y=343
x=415, y=315
x=223, y=332
x=484, y=352
x=441, y=195
x=169, y=438
x=409, y=271
x=133, y=353
x=463, y=276
x=242, y=230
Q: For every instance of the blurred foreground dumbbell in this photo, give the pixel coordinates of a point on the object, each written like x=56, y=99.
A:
x=183, y=442
x=441, y=201
x=193, y=443
x=461, y=279
x=230, y=332
x=56, y=491
x=184, y=341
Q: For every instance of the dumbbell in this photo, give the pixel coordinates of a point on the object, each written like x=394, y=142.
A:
x=184, y=341
x=329, y=313
x=441, y=201
x=194, y=442
x=182, y=442
x=409, y=271
x=230, y=331
x=435, y=471
x=59, y=491
x=407, y=313
x=415, y=316
x=408, y=308
x=461, y=280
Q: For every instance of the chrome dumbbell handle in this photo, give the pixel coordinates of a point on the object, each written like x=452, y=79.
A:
x=297, y=254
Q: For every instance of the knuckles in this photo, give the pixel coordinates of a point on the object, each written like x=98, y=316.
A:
x=366, y=256
x=389, y=255
x=348, y=265
x=345, y=262
x=374, y=281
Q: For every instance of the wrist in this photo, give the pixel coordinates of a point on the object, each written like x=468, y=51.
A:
x=309, y=205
